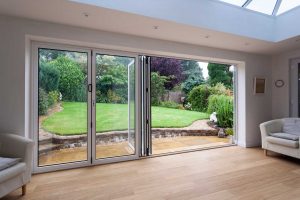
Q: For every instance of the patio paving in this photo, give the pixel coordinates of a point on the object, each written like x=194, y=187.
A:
x=160, y=145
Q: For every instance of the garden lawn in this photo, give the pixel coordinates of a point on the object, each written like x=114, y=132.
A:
x=72, y=120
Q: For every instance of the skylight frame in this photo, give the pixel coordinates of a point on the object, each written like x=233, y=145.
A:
x=275, y=8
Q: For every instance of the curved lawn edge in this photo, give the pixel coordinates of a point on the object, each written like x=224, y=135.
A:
x=72, y=120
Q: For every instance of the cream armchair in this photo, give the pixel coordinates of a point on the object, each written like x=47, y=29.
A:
x=18, y=175
x=275, y=138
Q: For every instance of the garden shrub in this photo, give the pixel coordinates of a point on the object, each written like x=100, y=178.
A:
x=219, y=89
x=53, y=98
x=71, y=78
x=229, y=131
x=112, y=81
x=43, y=102
x=171, y=104
x=198, y=98
x=112, y=97
x=157, y=88
x=48, y=77
x=223, y=106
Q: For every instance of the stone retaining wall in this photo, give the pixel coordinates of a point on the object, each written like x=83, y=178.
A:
x=61, y=142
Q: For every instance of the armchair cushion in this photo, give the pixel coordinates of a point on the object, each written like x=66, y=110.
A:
x=12, y=172
x=286, y=136
x=291, y=126
x=8, y=162
x=283, y=142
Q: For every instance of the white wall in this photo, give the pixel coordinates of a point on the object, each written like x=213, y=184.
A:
x=14, y=100
x=280, y=70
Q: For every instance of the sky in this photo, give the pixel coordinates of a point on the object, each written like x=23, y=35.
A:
x=203, y=66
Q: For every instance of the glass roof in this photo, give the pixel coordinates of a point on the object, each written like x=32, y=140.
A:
x=269, y=7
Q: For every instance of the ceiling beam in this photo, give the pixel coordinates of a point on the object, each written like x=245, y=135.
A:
x=246, y=3
x=276, y=8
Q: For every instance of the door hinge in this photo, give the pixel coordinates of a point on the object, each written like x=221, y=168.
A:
x=90, y=87
x=91, y=124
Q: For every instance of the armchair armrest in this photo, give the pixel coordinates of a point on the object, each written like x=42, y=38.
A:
x=273, y=126
x=17, y=147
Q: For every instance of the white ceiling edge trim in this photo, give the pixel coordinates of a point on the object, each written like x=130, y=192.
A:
x=207, y=14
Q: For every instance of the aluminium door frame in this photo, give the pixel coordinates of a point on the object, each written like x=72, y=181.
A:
x=137, y=107
x=35, y=46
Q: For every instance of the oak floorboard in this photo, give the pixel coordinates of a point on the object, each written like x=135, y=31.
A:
x=225, y=173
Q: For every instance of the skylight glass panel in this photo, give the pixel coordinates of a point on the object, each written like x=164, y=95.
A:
x=235, y=2
x=262, y=6
x=287, y=5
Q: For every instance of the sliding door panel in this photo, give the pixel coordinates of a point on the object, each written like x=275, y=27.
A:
x=114, y=81
x=62, y=106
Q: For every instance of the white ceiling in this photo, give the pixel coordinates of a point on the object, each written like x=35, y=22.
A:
x=71, y=13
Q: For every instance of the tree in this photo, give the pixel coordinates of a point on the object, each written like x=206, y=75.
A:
x=168, y=67
x=157, y=88
x=193, y=75
x=48, y=77
x=71, y=79
x=219, y=73
x=111, y=79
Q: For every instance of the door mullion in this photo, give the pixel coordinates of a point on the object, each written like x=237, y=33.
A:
x=93, y=108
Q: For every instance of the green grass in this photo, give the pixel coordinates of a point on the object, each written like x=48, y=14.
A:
x=72, y=119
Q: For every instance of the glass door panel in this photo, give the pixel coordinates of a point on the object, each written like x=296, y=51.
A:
x=114, y=106
x=62, y=106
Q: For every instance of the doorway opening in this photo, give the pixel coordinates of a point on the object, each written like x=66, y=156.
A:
x=191, y=105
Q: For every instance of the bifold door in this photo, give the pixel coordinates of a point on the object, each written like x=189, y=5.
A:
x=114, y=106
x=85, y=106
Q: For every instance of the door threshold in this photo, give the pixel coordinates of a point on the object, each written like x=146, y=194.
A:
x=188, y=151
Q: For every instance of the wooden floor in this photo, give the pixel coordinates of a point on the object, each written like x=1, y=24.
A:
x=224, y=173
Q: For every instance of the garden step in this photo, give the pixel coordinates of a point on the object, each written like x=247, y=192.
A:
x=44, y=148
x=45, y=141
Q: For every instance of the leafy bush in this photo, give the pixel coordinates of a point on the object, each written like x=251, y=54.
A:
x=43, y=102
x=220, y=89
x=198, y=97
x=157, y=88
x=53, y=98
x=229, y=131
x=171, y=104
x=223, y=106
x=112, y=79
x=48, y=77
x=71, y=78
x=112, y=97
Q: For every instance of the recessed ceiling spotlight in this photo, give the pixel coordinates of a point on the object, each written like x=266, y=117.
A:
x=85, y=14
x=155, y=27
x=207, y=36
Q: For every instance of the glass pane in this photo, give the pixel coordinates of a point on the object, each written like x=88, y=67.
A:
x=287, y=5
x=265, y=7
x=62, y=106
x=235, y=2
x=115, y=107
